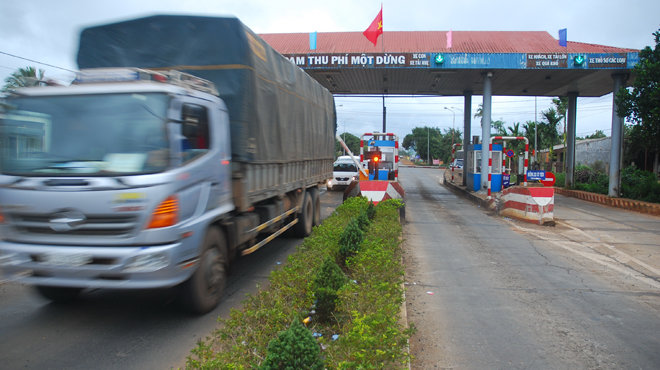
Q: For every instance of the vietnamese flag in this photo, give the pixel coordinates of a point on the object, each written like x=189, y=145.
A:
x=375, y=28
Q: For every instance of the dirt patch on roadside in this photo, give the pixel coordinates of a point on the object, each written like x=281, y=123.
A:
x=426, y=345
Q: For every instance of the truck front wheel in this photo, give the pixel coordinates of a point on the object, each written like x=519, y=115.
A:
x=203, y=291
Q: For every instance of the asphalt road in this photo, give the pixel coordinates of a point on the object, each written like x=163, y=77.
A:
x=124, y=330
x=490, y=293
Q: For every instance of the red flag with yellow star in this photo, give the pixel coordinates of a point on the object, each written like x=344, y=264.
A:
x=375, y=28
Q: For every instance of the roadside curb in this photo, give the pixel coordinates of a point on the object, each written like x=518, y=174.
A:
x=623, y=203
x=473, y=197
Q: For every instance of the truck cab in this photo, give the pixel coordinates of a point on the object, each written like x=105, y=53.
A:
x=112, y=182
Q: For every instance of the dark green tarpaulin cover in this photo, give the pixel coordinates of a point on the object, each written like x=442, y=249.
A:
x=278, y=112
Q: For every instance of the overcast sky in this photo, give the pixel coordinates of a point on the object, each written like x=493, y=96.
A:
x=46, y=31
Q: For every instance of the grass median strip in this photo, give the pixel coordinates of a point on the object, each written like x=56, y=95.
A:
x=363, y=329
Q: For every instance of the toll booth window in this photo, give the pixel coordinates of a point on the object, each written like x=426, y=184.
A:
x=195, y=131
x=497, y=162
x=477, y=161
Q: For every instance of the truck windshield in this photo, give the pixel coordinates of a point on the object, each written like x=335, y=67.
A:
x=97, y=135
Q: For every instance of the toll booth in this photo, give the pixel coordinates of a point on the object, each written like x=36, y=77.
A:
x=379, y=153
x=473, y=164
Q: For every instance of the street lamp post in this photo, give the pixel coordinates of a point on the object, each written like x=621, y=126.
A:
x=453, y=122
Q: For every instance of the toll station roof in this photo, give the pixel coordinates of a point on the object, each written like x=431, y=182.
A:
x=526, y=63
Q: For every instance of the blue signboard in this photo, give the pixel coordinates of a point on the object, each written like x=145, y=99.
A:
x=535, y=175
x=467, y=60
x=506, y=181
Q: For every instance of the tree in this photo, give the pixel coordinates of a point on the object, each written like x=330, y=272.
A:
x=641, y=103
x=596, y=135
x=426, y=141
x=561, y=105
x=497, y=125
x=352, y=142
x=548, y=128
x=28, y=76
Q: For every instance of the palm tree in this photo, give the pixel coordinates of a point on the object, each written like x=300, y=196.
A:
x=28, y=76
x=548, y=129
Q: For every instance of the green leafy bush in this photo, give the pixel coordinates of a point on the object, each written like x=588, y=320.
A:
x=640, y=185
x=350, y=240
x=329, y=279
x=588, y=179
x=366, y=333
x=326, y=303
x=585, y=174
x=330, y=275
x=371, y=211
x=294, y=348
x=363, y=221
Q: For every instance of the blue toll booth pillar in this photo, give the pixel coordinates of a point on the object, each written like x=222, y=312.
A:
x=474, y=172
x=473, y=165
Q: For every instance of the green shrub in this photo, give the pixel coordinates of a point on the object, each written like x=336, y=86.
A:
x=560, y=179
x=585, y=174
x=371, y=211
x=363, y=220
x=294, y=348
x=366, y=332
x=588, y=179
x=328, y=280
x=326, y=303
x=330, y=275
x=640, y=185
x=350, y=240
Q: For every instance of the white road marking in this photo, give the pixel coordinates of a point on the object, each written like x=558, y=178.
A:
x=616, y=264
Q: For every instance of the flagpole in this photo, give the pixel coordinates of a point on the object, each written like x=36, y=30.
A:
x=382, y=38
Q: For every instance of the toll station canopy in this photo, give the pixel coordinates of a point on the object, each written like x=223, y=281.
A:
x=527, y=63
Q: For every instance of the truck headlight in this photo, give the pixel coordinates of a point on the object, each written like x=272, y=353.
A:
x=147, y=263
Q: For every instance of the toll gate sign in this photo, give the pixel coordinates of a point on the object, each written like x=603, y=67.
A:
x=535, y=175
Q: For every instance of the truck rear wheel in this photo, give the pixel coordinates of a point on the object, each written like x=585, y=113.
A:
x=305, y=218
x=203, y=291
x=316, y=203
x=58, y=294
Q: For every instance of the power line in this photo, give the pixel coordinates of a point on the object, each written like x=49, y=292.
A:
x=36, y=61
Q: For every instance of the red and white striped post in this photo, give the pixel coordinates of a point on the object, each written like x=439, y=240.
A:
x=504, y=157
x=490, y=156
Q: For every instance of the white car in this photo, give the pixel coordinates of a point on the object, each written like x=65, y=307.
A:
x=343, y=174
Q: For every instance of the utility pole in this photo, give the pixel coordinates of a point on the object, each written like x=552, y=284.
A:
x=536, y=130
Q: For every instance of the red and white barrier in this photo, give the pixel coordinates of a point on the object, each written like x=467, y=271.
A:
x=534, y=204
x=378, y=191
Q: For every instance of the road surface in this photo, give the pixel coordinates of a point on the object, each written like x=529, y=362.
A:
x=490, y=293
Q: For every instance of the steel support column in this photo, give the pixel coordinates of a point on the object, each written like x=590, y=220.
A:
x=467, y=133
x=485, y=127
x=571, y=113
x=616, y=153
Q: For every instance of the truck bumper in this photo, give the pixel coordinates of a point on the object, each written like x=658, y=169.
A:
x=130, y=267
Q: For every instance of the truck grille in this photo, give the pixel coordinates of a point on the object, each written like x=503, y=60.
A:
x=102, y=225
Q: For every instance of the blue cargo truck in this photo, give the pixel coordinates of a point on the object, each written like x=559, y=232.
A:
x=183, y=142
